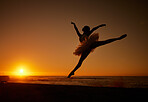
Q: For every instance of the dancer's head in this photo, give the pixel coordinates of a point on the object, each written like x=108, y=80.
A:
x=86, y=29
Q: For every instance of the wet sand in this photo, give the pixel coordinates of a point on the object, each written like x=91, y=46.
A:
x=18, y=92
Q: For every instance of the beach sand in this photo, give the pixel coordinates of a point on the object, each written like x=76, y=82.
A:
x=18, y=92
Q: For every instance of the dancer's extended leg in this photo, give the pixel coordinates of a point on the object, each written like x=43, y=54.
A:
x=82, y=58
x=99, y=43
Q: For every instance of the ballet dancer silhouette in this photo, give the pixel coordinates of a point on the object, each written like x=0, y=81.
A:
x=88, y=42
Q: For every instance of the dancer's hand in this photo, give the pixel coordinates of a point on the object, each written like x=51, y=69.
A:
x=102, y=25
x=72, y=23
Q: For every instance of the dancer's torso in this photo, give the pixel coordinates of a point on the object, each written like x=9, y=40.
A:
x=83, y=37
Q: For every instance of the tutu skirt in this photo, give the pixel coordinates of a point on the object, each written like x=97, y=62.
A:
x=86, y=44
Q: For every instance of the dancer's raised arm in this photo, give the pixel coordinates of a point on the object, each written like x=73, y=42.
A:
x=78, y=33
x=95, y=28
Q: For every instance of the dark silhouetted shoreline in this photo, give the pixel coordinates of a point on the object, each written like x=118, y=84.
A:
x=18, y=92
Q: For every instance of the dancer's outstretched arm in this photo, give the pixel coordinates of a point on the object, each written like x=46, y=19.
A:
x=95, y=28
x=78, y=33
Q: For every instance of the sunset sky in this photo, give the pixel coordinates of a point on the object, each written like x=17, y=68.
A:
x=38, y=36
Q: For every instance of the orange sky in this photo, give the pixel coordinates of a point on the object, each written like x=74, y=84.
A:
x=37, y=34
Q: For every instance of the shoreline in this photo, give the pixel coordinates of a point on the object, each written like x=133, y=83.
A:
x=25, y=92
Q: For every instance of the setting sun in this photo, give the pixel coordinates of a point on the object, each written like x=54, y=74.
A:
x=21, y=71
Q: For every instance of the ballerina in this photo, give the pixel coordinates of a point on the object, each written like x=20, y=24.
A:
x=88, y=42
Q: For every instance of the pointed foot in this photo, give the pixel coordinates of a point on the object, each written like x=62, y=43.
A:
x=123, y=36
x=72, y=73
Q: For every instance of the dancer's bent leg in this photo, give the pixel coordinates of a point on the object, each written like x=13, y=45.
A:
x=82, y=58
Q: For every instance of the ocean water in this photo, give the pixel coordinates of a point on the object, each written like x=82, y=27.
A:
x=94, y=81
